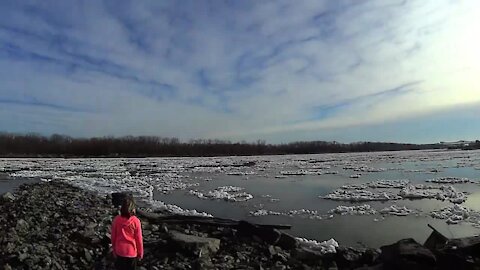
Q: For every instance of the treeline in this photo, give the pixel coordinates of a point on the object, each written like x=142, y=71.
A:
x=33, y=145
x=472, y=146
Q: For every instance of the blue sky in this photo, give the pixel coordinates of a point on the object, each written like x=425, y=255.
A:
x=242, y=70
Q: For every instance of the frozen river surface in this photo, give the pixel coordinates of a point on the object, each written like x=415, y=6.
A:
x=368, y=198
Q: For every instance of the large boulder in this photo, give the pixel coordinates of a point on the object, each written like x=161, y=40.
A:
x=287, y=241
x=407, y=254
x=462, y=253
x=268, y=235
x=193, y=245
x=7, y=197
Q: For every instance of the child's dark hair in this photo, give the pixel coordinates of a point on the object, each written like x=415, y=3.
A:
x=128, y=207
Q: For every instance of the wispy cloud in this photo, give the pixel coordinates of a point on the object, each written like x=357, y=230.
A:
x=233, y=69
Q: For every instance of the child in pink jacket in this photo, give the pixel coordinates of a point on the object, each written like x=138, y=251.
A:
x=127, y=242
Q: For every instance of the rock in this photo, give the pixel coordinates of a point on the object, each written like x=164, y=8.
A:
x=308, y=256
x=269, y=235
x=287, y=241
x=41, y=250
x=272, y=250
x=87, y=255
x=22, y=257
x=349, y=258
x=194, y=245
x=370, y=256
x=22, y=227
x=279, y=266
x=407, y=254
x=155, y=228
x=7, y=197
x=333, y=266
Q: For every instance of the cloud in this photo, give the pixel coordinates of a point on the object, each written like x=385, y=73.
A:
x=232, y=69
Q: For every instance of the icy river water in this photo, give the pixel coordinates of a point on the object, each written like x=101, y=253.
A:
x=356, y=198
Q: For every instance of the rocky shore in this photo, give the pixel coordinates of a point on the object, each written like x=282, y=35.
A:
x=52, y=225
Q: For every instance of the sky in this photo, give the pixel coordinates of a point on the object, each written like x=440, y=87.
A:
x=280, y=71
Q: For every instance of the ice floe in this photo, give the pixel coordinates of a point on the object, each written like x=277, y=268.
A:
x=300, y=213
x=360, y=195
x=428, y=192
x=263, y=212
x=302, y=172
x=456, y=213
x=396, y=210
x=364, y=209
x=227, y=193
x=329, y=246
x=450, y=180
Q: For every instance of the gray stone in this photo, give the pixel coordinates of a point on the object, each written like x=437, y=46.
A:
x=407, y=254
x=287, y=241
x=308, y=256
x=333, y=266
x=41, y=250
x=88, y=256
x=200, y=246
x=22, y=257
x=7, y=197
x=22, y=226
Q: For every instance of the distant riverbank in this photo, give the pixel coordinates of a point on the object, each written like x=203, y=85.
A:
x=31, y=145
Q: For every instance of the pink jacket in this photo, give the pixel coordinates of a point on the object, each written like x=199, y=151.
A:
x=127, y=237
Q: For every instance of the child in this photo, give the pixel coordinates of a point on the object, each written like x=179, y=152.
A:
x=127, y=242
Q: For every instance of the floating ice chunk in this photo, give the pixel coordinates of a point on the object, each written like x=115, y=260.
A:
x=302, y=212
x=280, y=176
x=360, y=196
x=176, y=209
x=263, y=212
x=364, y=209
x=363, y=168
x=325, y=247
x=396, y=210
x=429, y=192
x=412, y=192
x=450, y=180
x=302, y=172
x=228, y=193
x=355, y=176
x=454, y=196
x=453, y=214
